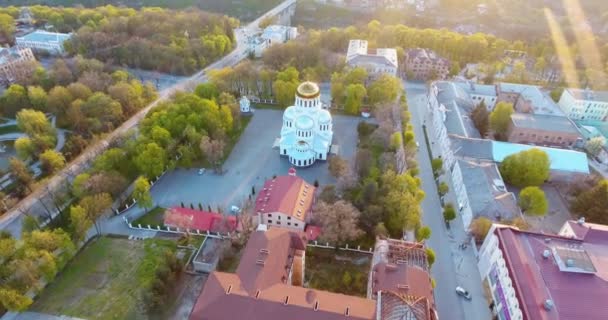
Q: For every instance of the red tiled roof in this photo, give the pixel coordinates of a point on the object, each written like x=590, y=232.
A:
x=536, y=279
x=290, y=195
x=201, y=220
x=312, y=232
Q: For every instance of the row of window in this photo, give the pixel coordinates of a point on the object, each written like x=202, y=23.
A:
x=307, y=103
x=306, y=162
x=304, y=134
x=288, y=223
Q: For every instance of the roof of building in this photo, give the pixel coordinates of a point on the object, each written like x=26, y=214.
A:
x=541, y=102
x=601, y=126
x=200, y=220
x=561, y=159
x=368, y=59
x=357, y=54
x=290, y=195
x=356, y=47
x=422, y=53
x=45, y=36
x=458, y=105
x=9, y=54
x=543, y=122
x=471, y=148
x=259, y=289
x=589, y=95
x=486, y=191
x=477, y=89
x=308, y=90
x=571, y=273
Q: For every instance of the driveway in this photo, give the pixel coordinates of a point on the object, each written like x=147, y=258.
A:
x=452, y=267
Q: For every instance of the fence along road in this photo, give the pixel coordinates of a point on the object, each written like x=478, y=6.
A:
x=10, y=221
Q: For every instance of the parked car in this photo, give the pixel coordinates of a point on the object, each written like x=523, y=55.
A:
x=462, y=292
x=417, y=145
x=201, y=171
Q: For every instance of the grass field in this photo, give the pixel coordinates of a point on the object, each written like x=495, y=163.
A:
x=340, y=272
x=9, y=129
x=103, y=281
x=154, y=217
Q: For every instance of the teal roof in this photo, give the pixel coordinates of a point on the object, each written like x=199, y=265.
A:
x=600, y=126
x=45, y=36
x=561, y=159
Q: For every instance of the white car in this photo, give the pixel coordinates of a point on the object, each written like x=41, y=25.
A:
x=462, y=292
x=201, y=171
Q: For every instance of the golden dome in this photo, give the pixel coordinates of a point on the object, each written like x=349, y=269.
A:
x=308, y=90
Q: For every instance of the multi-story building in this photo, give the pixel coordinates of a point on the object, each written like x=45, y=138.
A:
x=307, y=132
x=268, y=284
x=12, y=61
x=527, y=99
x=538, y=276
x=384, y=61
x=480, y=92
x=285, y=201
x=44, y=41
x=540, y=129
x=273, y=34
x=581, y=104
x=425, y=64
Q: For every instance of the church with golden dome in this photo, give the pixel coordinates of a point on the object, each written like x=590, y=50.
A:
x=307, y=131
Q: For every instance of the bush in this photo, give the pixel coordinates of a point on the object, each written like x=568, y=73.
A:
x=480, y=228
x=532, y=201
x=449, y=213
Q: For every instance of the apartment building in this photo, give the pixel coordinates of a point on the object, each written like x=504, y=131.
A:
x=11, y=63
x=579, y=104
x=425, y=64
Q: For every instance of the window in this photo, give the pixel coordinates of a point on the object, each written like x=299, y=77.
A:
x=279, y=217
x=278, y=222
x=269, y=215
x=295, y=224
x=289, y=218
x=270, y=221
x=288, y=223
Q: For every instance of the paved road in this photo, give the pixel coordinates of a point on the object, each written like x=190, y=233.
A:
x=452, y=266
x=11, y=221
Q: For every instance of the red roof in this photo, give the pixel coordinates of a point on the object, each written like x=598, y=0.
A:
x=289, y=195
x=200, y=220
x=312, y=232
x=576, y=295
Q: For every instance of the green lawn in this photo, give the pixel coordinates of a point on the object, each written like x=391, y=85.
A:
x=9, y=129
x=341, y=272
x=104, y=280
x=154, y=217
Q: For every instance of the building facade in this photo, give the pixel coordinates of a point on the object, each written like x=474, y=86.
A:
x=11, y=63
x=546, y=277
x=273, y=34
x=545, y=130
x=584, y=104
x=44, y=41
x=384, y=61
x=307, y=131
x=425, y=64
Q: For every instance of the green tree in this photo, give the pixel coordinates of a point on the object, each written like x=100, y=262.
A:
x=526, y=168
x=95, y=206
x=594, y=145
x=423, y=233
x=449, y=213
x=7, y=26
x=25, y=148
x=480, y=227
x=396, y=141
x=59, y=100
x=556, y=93
x=79, y=222
x=22, y=174
x=532, y=201
x=481, y=118
x=37, y=97
x=12, y=300
x=141, y=193
x=79, y=185
x=51, y=161
x=35, y=124
x=356, y=76
x=151, y=161
x=355, y=93
x=437, y=166
x=443, y=189
x=500, y=119
x=14, y=99
x=207, y=90
x=593, y=203
x=384, y=90
x=430, y=256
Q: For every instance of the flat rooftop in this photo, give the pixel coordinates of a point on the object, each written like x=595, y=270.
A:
x=590, y=95
x=543, y=122
x=45, y=36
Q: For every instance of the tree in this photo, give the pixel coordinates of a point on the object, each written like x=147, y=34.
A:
x=593, y=203
x=356, y=75
x=207, y=90
x=532, y=201
x=430, y=256
x=95, y=206
x=25, y=148
x=526, y=168
x=51, y=161
x=384, y=90
x=423, y=233
x=14, y=99
x=594, y=145
x=355, y=93
x=7, y=26
x=35, y=124
x=557, y=93
x=500, y=119
x=284, y=88
x=151, y=161
x=443, y=189
x=79, y=185
x=79, y=222
x=59, y=100
x=401, y=200
x=213, y=150
x=37, y=97
x=141, y=193
x=481, y=118
x=338, y=167
x=380, y=230
x=396, y=141
x=437, y=166
x=61, y=73
x=266, y=22
x=12, y=300
x=449, y=213
x=339, y=222
x=328, y=194
x=22, y=174
x=480, y=228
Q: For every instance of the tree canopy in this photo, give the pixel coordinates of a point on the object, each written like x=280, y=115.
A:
x=500, y=118
x=526, y=168
x=532, y=201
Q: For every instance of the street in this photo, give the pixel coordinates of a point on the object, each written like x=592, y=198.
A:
x=453, y=267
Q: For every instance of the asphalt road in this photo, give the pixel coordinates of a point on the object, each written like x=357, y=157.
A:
x=453, y=266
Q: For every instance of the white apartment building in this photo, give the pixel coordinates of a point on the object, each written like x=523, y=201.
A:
x=383, y=61
x=585, y=104
x=273, y=34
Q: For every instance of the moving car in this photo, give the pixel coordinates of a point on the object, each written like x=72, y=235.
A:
x=462, y=292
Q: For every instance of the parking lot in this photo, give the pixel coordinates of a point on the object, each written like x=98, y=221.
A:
x=251, y=162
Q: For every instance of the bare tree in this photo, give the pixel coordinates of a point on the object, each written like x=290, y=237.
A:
x=339, y=221
x=338, y=167
x=213, y=151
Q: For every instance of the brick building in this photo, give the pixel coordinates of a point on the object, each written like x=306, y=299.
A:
x=425, y=64
x=546, y=130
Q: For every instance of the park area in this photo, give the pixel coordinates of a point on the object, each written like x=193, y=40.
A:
x=337, y=271
x=105, y=280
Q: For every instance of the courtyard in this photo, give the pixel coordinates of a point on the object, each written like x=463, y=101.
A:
x=252, y=161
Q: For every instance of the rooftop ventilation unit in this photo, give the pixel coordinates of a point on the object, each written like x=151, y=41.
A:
x=548, y=304
x=546, y=254
x=316, y=305
x=570, y=263
x=264, y=251
x=581, y=221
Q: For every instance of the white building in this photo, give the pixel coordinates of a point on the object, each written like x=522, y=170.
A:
x=307, y=132
x=273, y=34
x=40, y=40
x=245, y=104
x=383, y=61
x=481, y=92
x=11, y=62
x=581, y=104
